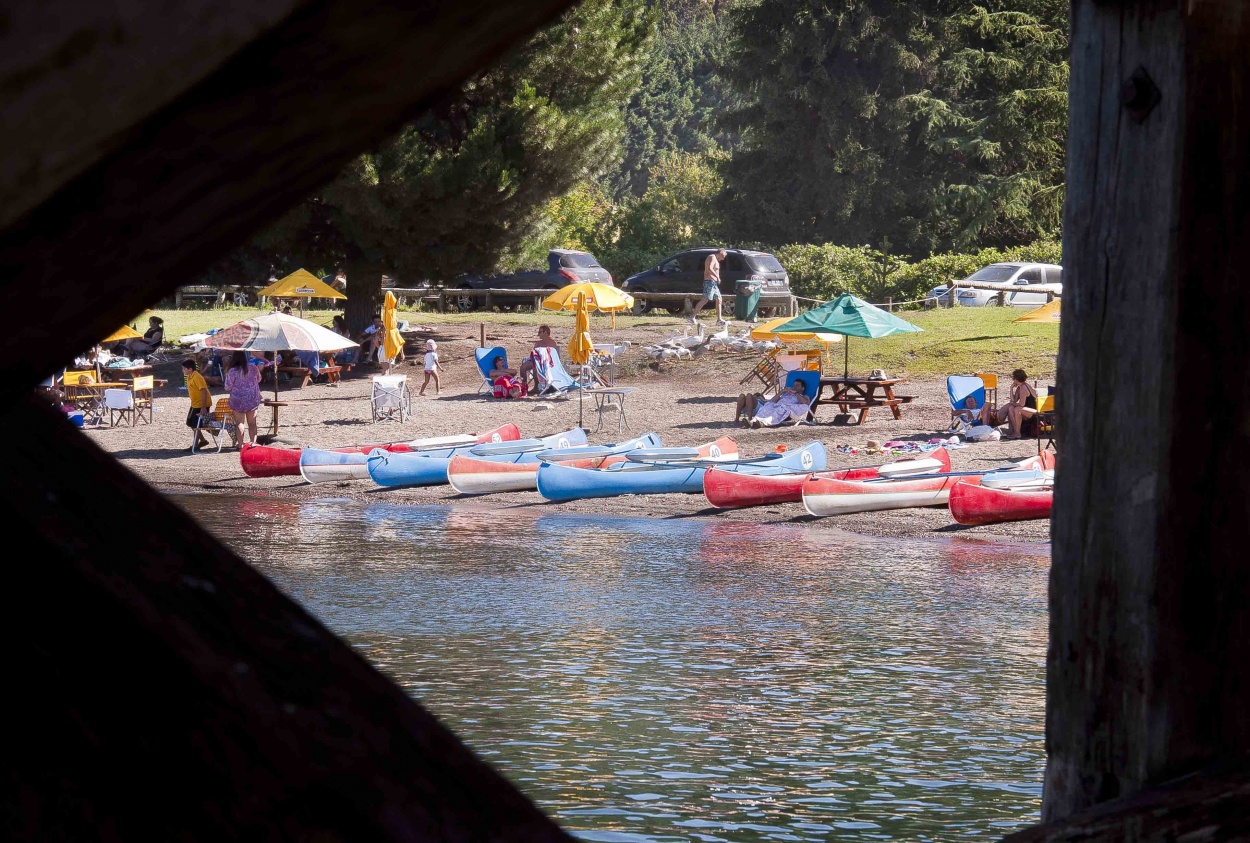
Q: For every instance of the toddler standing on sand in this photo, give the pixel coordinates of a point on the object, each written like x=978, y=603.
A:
x=431, y=366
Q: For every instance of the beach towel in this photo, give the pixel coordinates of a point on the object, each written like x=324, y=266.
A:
x=552, y=376
x=784, y=408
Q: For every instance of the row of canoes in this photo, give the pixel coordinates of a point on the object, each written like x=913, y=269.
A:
x=562, y=467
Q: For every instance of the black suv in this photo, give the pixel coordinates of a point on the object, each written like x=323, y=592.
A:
x=683, y=273
x=564, y=267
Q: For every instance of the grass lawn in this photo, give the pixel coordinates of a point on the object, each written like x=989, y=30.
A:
x=954, y=341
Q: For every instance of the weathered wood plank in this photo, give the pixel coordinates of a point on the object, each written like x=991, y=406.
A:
x=281, y=117
x=78, y=76
x=1150, y=631
x=168, y=691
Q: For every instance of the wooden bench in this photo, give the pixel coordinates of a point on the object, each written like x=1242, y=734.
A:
x=332, y=373
x=866, y=404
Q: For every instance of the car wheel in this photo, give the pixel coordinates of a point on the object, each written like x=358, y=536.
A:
x=994, y=302
x=640, y=307
x=466, y=304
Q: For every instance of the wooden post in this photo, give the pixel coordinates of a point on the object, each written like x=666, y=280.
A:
x=889, y=304
x=482, y=340
x=1149, y=587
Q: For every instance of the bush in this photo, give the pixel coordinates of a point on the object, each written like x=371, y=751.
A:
x=825, y=271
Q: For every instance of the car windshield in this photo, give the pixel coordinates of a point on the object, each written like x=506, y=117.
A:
x=579, y=261
x=997, y=272
x=764, y=263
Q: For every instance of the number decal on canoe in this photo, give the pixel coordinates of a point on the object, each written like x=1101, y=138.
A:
x=714, y=451
x=495, y=437
x=806, y=459
x=563, y=442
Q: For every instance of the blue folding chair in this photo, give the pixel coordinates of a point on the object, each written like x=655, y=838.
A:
x=959, y=388
x=485, y=358
x=811, y=387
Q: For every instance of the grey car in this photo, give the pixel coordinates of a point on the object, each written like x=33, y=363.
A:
x=683, y=273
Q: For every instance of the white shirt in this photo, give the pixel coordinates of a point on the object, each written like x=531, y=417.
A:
x=431, y=360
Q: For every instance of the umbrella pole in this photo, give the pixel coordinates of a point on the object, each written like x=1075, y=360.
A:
x=846, y=356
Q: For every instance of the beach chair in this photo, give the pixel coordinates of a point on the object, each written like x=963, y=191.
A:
x=484, y=358
x=811, y=382
x=389, y=398
x=218, y=426
x=959, y=388
x=554, y=381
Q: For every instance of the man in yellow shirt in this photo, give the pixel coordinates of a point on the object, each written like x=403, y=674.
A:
x=201, y=400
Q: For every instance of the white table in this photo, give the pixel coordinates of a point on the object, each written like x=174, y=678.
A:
x=607, y=399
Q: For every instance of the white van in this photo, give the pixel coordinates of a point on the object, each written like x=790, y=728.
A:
x=1022, y=275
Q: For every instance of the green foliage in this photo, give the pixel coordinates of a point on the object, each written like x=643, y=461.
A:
x=933, y=124
x=826, y=271
x=678, y=210
x=683, y=91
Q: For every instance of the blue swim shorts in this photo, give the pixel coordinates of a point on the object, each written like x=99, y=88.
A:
x=711, y=290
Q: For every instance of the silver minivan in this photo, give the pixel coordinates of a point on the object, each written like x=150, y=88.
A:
x=1021, y=275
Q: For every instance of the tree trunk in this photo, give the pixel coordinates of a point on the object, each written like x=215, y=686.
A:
x=1150, y=630
x=364, y=296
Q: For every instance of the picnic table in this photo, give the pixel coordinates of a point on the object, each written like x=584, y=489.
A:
x=861, y=394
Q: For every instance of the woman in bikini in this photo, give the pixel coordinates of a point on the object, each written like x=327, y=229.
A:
x=1021, y=406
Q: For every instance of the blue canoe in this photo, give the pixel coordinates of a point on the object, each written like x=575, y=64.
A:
x=664, y=470
x=429, y=468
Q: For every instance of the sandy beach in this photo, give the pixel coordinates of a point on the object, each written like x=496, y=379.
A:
x=686, y=402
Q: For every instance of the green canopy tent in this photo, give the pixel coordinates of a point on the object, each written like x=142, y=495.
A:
x=850, y=317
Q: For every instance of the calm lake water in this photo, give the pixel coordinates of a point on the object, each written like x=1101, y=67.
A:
x=692, y=679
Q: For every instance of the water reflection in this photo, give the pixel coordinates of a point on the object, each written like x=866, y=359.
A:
x=677, y=679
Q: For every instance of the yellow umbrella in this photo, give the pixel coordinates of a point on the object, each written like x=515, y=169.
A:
x=602, y=297
x=301, y=284
x=581, y=346
x=125, y=332
x=766, y=332
x=392, y=339
x=1045, y=313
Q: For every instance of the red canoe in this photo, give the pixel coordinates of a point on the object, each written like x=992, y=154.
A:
x=274, y=461
x=734, y=490
x=823, y=496
x=975, y=504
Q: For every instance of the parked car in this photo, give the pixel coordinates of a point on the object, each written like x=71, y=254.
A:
x=683, y=273
x=564, y=267
x=1023, y=275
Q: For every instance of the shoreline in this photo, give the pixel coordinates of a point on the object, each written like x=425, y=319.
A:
x=686, y=402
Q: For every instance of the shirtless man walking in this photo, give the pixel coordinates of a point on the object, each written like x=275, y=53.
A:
x=711, y=286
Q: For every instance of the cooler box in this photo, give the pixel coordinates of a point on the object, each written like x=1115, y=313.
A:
x=747, y=300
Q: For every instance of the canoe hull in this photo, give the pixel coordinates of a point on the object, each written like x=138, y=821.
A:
x=272, y=461
x=823, y=497
x=559, y=482
x=420, y=468
x=976, y=504
x=471, y=475
x=735, y=490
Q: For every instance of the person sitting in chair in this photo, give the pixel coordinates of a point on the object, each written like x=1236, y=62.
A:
x=505, y=381
x=138, y=348
x=792, y=403
x=1019, y=409
x=527, y=365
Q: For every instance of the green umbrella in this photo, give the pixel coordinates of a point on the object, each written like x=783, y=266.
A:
x=851, y=317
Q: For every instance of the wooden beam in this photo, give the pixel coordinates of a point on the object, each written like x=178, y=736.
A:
x=77, y=77
x=163, y=689
x=1150, y=590
x=196, y=178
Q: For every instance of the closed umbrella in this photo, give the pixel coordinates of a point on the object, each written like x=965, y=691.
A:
x=392, y=339
x=851, y=317
x=277, y=332
x=303, y=285
x=581, y=345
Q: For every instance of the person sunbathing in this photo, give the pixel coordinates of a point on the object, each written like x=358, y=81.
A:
x=504, y=380
x=792, y=403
